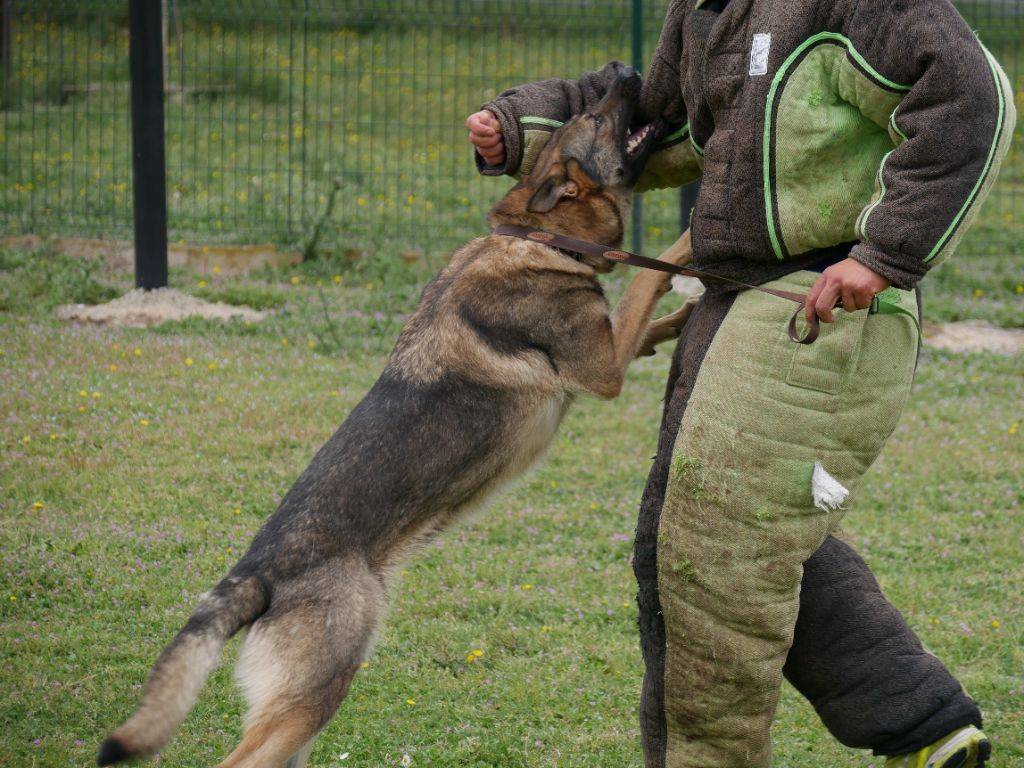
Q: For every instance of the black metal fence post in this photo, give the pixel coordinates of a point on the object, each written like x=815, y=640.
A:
x=6, y=37
x=149, y=173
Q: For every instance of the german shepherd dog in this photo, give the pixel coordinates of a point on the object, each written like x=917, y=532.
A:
x=504, y=338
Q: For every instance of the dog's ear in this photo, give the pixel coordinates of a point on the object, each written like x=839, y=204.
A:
x=551, y=192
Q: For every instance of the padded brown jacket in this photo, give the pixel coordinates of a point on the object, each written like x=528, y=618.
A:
x=812, y=123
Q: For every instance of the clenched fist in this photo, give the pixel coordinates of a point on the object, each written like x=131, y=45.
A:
x=485, y=135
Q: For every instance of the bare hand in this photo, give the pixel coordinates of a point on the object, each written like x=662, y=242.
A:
x=849, y=282
x=485, y=135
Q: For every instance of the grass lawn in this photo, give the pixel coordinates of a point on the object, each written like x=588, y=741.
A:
x=135, y=466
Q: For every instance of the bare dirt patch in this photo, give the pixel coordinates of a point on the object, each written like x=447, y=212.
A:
x=201, y=259
x=141, y=308
x=974, y=336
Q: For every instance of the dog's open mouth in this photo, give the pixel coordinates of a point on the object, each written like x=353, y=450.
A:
x=640, y=143
x=637, y=141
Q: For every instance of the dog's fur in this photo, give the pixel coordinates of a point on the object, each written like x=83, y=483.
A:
x=503, y=339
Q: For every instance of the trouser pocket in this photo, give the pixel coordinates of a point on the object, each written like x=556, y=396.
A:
x=826, y=365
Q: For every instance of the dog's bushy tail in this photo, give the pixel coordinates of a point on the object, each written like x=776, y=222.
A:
x=178, y=675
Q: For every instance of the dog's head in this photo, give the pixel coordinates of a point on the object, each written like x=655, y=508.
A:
x=582, y=182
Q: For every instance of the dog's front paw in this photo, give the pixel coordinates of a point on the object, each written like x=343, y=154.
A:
x=665, y=328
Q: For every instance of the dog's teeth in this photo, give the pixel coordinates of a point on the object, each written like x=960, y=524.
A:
x=638, y=138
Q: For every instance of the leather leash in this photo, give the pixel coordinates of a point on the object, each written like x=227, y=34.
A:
x=571, y=244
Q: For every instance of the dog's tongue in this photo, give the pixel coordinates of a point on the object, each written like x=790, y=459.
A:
x=637, y=137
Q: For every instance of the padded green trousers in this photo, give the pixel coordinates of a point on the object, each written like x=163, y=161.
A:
x=754, y=426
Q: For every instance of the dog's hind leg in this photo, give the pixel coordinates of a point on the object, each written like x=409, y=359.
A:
x=299, y=759
x=271, y=741
x=299, y=659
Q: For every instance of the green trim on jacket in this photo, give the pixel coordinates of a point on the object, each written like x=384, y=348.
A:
x=824, y=89
x=1000, y=145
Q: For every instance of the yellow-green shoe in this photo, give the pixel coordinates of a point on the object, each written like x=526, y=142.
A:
x=965, y=748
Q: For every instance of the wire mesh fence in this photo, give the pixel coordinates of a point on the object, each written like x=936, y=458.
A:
x=283, y=113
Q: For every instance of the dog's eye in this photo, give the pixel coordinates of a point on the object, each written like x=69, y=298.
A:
x=598, y=121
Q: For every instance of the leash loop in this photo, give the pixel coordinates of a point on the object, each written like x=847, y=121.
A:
x=812, y=330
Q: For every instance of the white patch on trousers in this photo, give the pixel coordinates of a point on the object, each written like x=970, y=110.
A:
x=828, y=493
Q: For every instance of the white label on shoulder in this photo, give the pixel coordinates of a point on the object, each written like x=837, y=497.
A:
x=759, y=53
